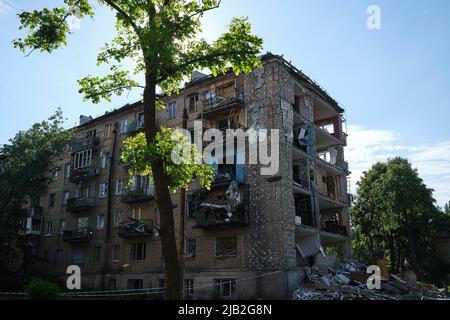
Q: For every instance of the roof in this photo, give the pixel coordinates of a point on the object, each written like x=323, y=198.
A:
x=302, y=77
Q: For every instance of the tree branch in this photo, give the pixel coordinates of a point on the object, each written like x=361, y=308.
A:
x=124, y=15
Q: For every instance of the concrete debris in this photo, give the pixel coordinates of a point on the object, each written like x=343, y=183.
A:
x=348, y=281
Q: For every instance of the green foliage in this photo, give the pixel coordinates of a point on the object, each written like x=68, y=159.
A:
x=182, y=160
x=39, y=289
x=395, y=219
x=160, y=36
x=26, y=173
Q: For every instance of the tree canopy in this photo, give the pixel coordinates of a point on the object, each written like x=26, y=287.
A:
x=395, y=218
x=26, y=174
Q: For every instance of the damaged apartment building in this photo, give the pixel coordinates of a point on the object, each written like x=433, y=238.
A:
x=251, y=244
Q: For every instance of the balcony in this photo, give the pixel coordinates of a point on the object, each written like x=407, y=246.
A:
x=77, y=236
x=138, y=195
x=86, y=143
x=30, y=226
x=136, y=229
x=83, y=174
x=217, y=104
x=334, y=227
x=219, y=219
x=136, y=126
x=80, y=204
x=36, y=211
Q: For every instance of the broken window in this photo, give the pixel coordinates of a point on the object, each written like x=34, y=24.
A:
x=82, y=159
x=226, y=247
x=193, y=103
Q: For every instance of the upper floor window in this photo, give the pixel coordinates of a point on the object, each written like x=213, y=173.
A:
x=124, y=126
x=82, y=159
x=92, y=133
x=66, y=195
x=67, y=169
x=108, y=130
x=100, y=222
x=119, y=187
x=48, y=228
x=172, y=110
x=190, y=248
x=193, y=103
x=77, y=256
x=55, y=173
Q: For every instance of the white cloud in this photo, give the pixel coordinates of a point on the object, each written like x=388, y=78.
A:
x=5, y=6
x=368, y=146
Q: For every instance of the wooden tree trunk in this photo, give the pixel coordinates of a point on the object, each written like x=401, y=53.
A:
x=165, y=206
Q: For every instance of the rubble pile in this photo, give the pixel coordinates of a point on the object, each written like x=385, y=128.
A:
x=348, y=281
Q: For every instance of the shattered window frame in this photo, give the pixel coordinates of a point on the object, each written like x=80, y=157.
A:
x=226, y=247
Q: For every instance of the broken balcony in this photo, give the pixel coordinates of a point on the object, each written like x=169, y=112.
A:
x=136, y=229
x=80, y=204
x=138, y=195
x=79, y=235
x=216, y=217
x=215, y=103
x=84, y=174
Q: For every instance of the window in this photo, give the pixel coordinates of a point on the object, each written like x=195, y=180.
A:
x=172, y=110
x=103, y=190
x=82, y=222
x=67, y=170
x=51, y=200
x=190, y=207
x=105, y=160
x=141, y=120
x=92, y=133
x=190, y=248
x=82, y=159
x=162, y=285
x=100, y=222
x=193, y=103
x=108, y=130
x=48, y=228
x=116, y=253
x=77, y=256
x=119, y=187
x=117, y=218
x=189, y=287
x=55, y=173
x=97, y=254
x=135, y=284
x=226, y=287
x=138, y=251
x=226, y=247
x=124, y=126
x=59, y=257
x=66, y=196
x=62, y=226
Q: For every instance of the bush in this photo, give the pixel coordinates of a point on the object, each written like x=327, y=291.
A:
x=39, y=289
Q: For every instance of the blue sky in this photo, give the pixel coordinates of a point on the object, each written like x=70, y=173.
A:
x=393, y=82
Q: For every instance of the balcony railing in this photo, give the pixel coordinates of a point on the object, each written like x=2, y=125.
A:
x=138, y=195
x=77, y=235
x=80, y=204
x=84, y=174
x=86, y=143
x=334, y=227
x=136, y=126
x=219, y=103
x=136, y=229
x=215, y=219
